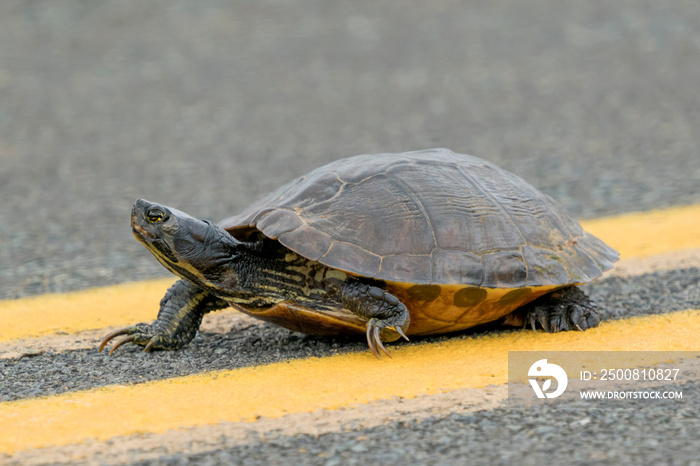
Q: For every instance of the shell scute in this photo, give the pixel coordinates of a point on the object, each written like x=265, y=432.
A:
x=544, y=266
x=315, y=242
x=278, y=222
x=406, y=267
x=352, y=259
x=504, y=269
x=454, y=266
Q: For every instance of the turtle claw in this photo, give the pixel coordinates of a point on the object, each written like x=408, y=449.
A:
x=379, y=341
x=372, y=343
x=121, y=342
x=543, y=318
x=374, y=329
x=138, y=334
x=149, y=346
x=399, y=330
x=112, y=335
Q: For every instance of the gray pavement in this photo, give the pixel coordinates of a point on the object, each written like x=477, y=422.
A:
x=208, y=105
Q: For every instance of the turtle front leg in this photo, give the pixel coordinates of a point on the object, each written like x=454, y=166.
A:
x=567, y=308
x=387, y=317
x=181, y=313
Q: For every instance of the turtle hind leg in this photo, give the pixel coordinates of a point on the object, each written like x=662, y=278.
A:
x=567, y=308
x=387, y=317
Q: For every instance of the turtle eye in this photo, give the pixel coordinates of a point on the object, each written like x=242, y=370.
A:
x=155, y=215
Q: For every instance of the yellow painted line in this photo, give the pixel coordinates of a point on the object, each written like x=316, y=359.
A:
x=310, y=384
x=634, y=235
x=643, y=234
x=125, y=304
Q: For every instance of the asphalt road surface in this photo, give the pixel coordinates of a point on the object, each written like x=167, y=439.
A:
x=206, y=106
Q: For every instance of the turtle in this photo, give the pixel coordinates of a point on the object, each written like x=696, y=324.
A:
x=385, y=246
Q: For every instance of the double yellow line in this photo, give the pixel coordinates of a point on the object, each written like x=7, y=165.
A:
x=311, y=384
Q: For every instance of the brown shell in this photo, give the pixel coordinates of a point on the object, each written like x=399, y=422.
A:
x=428, y=217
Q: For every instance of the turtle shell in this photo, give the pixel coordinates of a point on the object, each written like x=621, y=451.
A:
x=426, y=218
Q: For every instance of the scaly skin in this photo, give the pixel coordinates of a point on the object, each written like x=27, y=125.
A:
x=179, y=318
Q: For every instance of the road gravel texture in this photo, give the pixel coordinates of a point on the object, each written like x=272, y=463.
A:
x=206, y=106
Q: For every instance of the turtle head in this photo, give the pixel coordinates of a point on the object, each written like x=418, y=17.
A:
x=196, y=250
